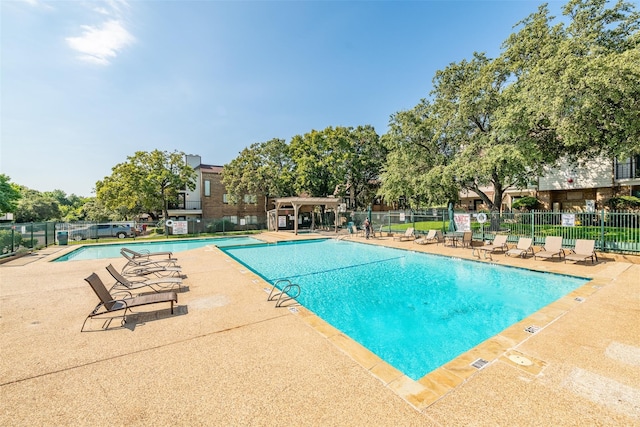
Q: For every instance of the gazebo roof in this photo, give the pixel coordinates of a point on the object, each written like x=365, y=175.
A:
x=305, y=201
x=297, y=202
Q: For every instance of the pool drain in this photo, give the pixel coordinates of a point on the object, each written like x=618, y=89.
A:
x=532, y=329
x=480, y=363
x=579, y=299
x=520, y=360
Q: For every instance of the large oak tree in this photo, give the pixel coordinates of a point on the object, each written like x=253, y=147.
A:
x=557, y=91
x=263, y=168
x=146, y=182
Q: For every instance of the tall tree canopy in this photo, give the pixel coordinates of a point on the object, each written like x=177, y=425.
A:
x=35, y=206
x=556, y=91
x=576, y=87
x=263, y=168
x=319, y=160
x=364, y=158
x=146, y=182
x=9, y=195
x=340, y=160
x=457, y=142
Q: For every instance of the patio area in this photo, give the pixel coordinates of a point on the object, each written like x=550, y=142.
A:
x=229, y=357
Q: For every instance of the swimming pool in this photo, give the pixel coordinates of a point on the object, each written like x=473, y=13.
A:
x=113, y=250
x=414, y=310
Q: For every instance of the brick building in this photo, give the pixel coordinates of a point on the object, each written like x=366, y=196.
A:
x=572, y=186
x=210, y=201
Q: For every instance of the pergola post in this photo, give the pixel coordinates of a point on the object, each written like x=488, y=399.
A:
x=295, y=218
x=297, y=202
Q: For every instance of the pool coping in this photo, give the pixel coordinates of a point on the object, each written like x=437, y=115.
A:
x=74, y=248
x=435, y=385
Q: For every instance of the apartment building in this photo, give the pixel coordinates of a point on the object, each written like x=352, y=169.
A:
x=573, y=186
x=209, y=199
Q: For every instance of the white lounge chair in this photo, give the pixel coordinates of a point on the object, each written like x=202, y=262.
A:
x=524, y=246
x=583, y=250
x=433, y=236
x=499, y=244
x=552, y=248
x=408, y=235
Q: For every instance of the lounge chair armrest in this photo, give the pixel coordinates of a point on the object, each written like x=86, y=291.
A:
x=119, y=292
x=136, y=279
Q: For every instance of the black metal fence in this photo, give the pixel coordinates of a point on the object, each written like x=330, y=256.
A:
x=32, y=235
x=613, y=231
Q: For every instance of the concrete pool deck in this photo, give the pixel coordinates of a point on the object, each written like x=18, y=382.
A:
x=228, y=357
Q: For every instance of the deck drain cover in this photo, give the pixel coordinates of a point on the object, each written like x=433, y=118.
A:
x=579, y=299
x=532, y=329
x=479, y=364
x=293, y=309
x=520, y=360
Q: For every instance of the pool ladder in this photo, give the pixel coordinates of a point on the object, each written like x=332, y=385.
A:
x=284, y=295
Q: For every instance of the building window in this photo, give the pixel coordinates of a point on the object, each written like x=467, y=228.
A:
x=225, y=198
x=207, y=187
x=232, y=219
x=250, y=199
x=251, y=219
x=628, y=168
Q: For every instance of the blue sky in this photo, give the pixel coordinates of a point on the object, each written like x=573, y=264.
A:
x=86, y=84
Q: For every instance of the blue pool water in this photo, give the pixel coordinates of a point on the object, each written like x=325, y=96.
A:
x=416, y=311
x=113, y=250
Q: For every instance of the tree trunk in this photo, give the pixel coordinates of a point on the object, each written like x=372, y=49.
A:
x=498, y=192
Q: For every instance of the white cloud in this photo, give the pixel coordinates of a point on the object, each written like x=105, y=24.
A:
x=100, y=44
x=38, y=4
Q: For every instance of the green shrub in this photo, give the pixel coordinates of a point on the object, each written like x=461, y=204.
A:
x=220, y=226
x=29, y=243
x=527, y=203
x=624, y=203
x=5, y=241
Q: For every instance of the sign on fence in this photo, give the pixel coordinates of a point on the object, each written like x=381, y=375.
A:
x=568, y=220
x=463, y=222
x=180, y=227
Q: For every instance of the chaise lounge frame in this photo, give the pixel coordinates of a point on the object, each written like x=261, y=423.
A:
x=110, y=304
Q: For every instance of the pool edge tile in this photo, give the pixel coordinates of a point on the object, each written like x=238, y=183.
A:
x=358, y=352
x=419, y=396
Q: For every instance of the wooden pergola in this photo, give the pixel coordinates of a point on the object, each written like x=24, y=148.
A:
x=298, y=202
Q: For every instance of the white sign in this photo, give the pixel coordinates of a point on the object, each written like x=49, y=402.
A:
x=282, y=221
x=243, y=221
x=180, y=227
x=463, y=222
x=568, y=220
x=401, y=216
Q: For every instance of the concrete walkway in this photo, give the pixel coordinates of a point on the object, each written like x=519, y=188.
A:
x=228, y=357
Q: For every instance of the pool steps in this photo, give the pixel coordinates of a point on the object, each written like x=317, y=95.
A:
x=284, y=295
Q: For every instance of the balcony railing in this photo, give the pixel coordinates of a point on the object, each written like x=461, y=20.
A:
x=185, y=205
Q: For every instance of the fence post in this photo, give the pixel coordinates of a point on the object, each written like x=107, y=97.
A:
x=602, y=247
x=533, y=226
